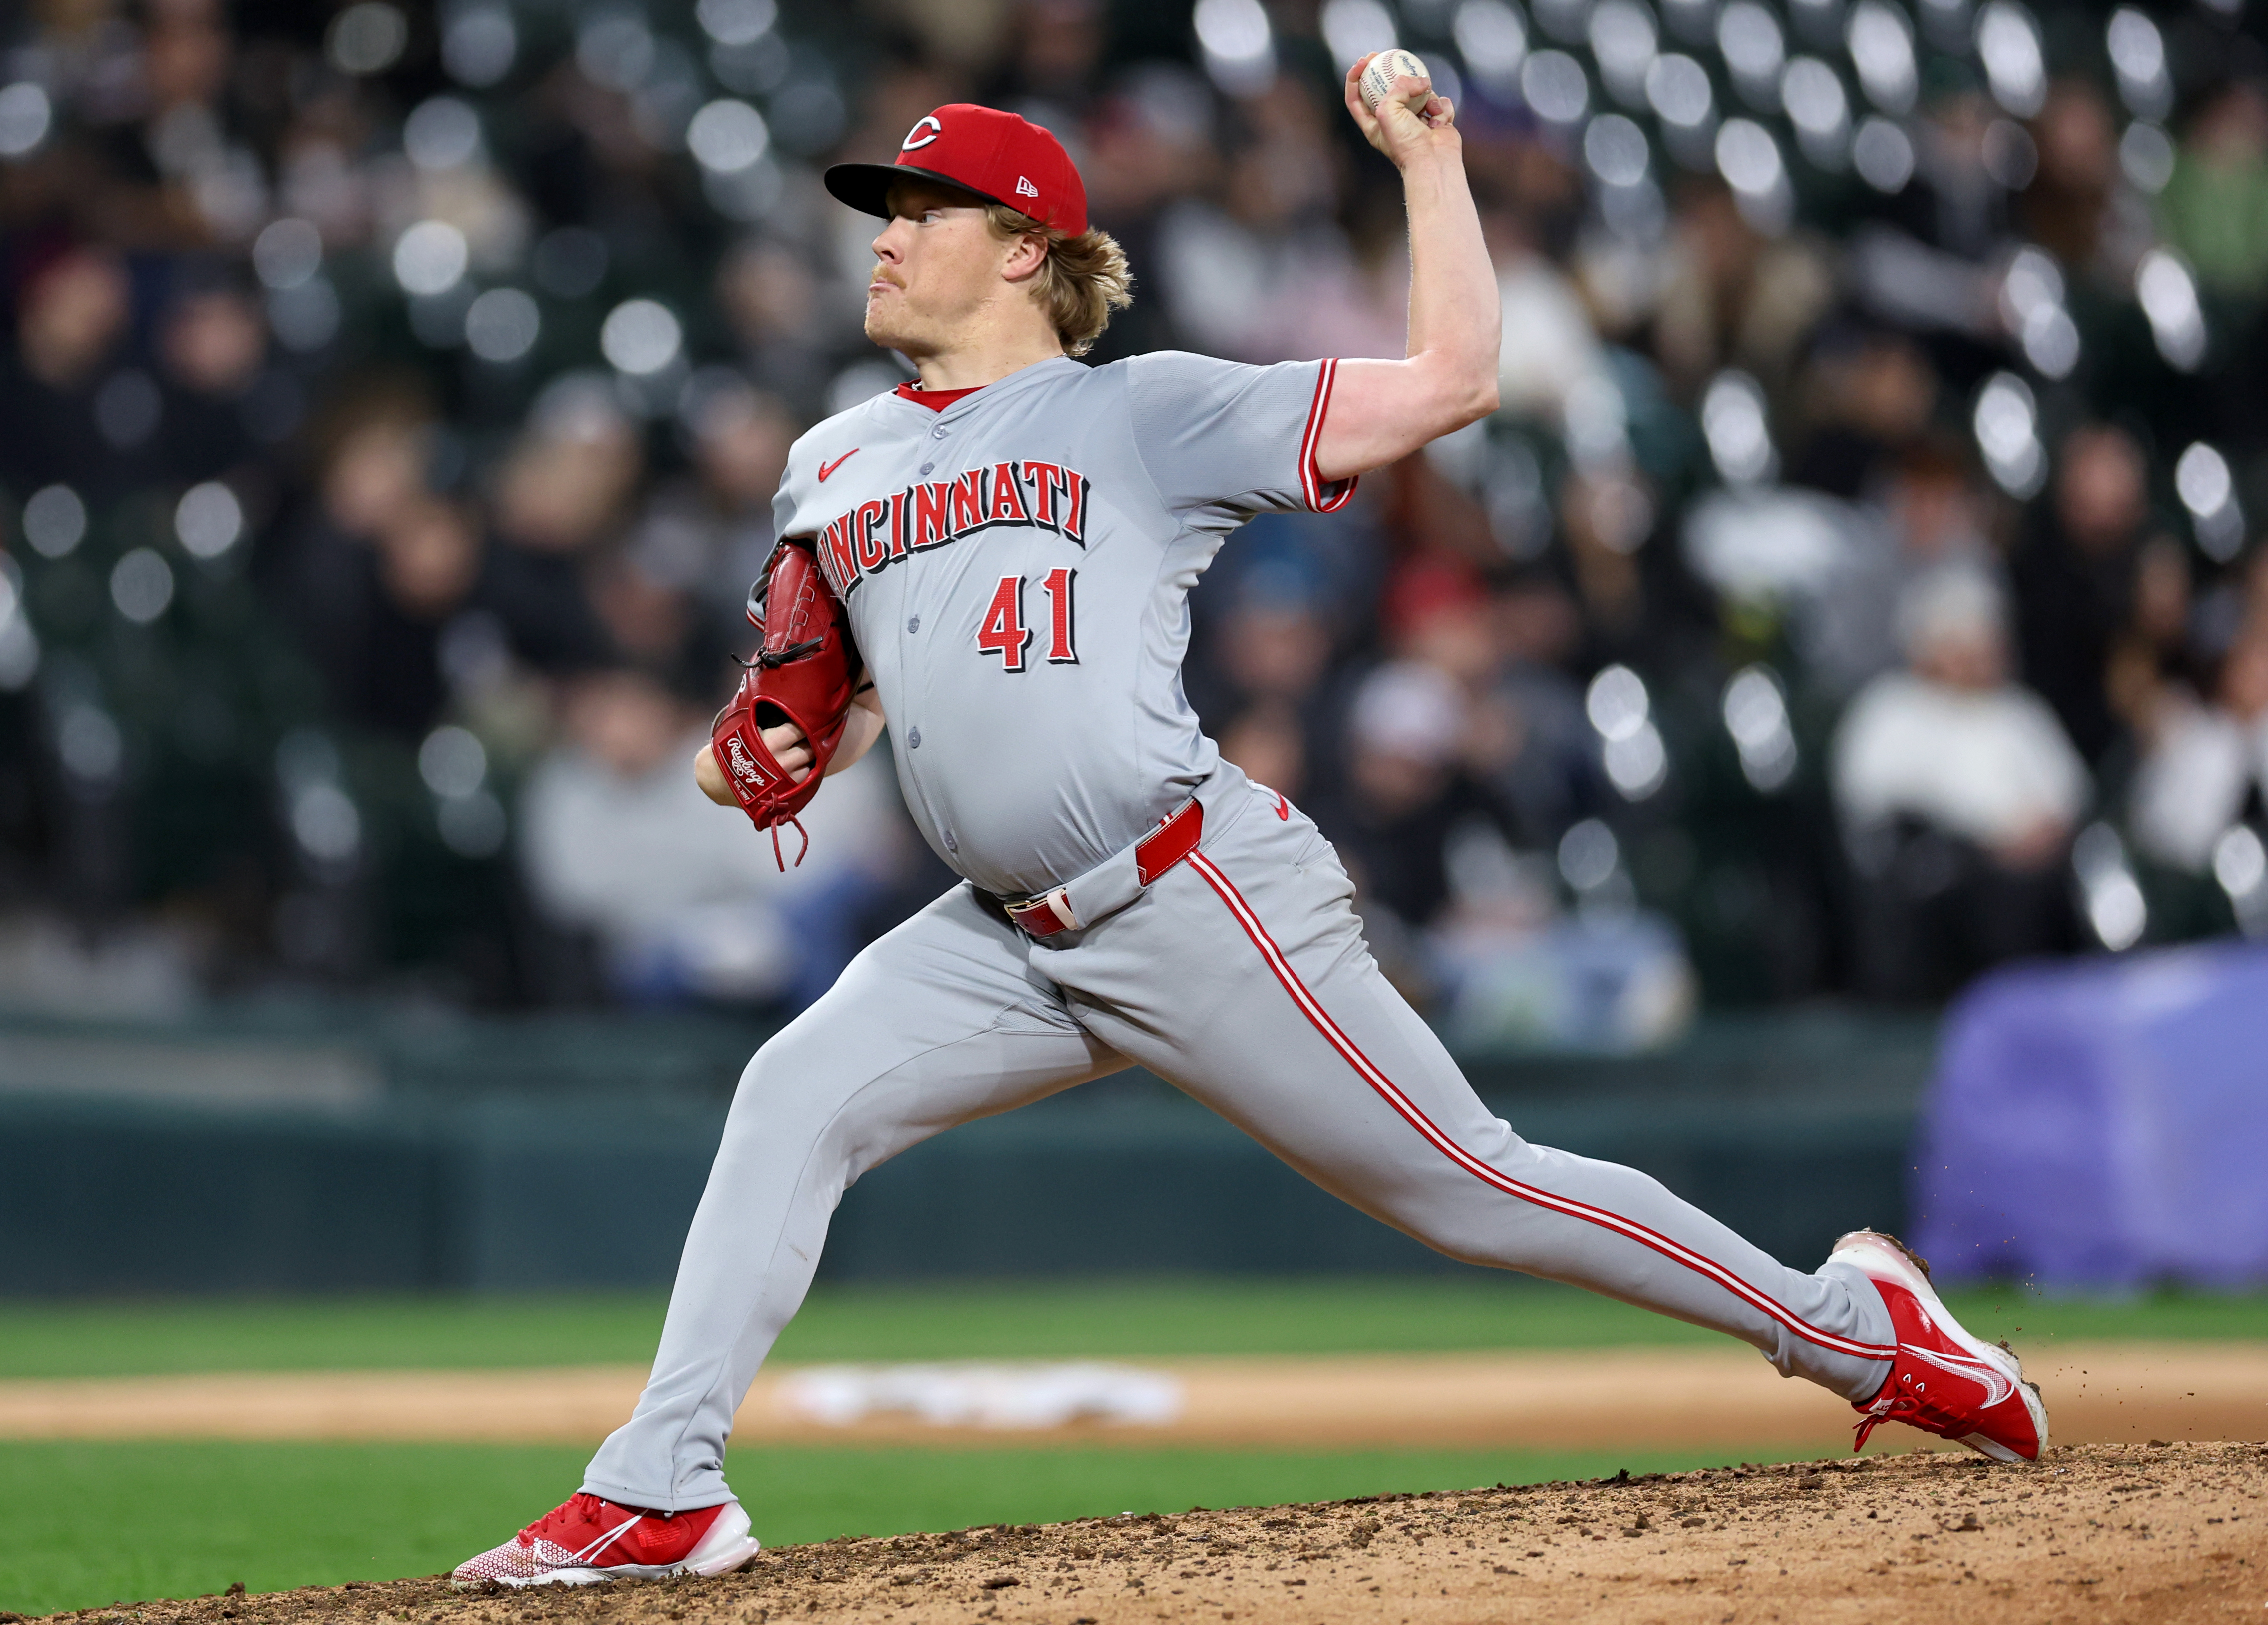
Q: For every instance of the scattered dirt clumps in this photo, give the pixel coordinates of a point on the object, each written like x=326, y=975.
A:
x=2098, y=1532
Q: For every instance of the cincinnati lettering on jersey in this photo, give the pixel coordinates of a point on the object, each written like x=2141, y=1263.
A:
x=883, y=530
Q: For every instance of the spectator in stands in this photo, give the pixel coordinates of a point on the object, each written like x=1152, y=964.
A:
x=1549, y=345
x=1056, y=54
x=2216, y=206
x=684, y=901
x=2073, y=577
x=2155, y=658
x=1928, y=513
x=1151, y=141
x=1407, y=788
x=564, y=488
x=212, y=346
x=1526, y=743
x=1958, y=792
x=2077, y=207
x=716, y=528
x=1267, y=273
x=1732, y=296
x=327, y=576
x=473, y=535
x=1534, y=748
x=72, y=311
x=384, y=653
x=1267, y=740
x=2206, y=768
x=1867, y=394
x=1932, y=267
x=767, y=289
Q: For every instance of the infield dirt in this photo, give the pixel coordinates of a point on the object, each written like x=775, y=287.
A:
x=2096, y=1532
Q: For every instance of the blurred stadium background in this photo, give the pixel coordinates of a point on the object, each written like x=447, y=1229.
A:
x=1810, y=743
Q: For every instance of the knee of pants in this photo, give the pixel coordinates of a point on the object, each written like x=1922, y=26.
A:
x=783, y=1056
x=791, y=1087
x=804, y=1104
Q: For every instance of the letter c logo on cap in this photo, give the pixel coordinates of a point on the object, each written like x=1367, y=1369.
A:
x=925, y=129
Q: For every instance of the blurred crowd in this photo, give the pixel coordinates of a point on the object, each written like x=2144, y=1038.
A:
x=1858, y=587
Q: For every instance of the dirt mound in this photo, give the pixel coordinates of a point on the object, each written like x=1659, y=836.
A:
x=2098, y=1533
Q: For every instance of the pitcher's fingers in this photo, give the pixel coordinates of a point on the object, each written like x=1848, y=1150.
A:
x=711, y=776
x=1365, y=120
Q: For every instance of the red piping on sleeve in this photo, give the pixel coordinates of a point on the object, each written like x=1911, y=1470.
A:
x=1324, y=498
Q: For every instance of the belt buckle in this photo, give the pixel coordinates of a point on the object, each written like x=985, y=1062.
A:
x=1053, y=909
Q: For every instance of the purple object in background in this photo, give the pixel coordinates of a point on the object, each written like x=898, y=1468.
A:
x=2102, y=1124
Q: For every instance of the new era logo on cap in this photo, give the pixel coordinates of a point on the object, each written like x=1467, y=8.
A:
x=980, y=150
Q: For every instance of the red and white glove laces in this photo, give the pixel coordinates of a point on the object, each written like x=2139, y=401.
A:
x=805, y=672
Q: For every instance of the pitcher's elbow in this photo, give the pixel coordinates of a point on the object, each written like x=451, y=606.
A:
x=1476, y=399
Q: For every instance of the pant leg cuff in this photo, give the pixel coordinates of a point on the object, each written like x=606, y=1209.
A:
x=691, y=1499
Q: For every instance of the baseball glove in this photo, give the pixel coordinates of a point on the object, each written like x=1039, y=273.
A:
x=805, y=672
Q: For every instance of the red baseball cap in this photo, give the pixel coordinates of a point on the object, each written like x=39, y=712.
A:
x=980, y=150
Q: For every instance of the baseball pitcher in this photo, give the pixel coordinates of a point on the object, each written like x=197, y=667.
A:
x=995, y=559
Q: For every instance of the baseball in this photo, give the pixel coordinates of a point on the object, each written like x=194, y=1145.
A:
x=1388, y=66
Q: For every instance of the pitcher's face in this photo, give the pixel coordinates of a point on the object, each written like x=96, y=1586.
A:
x=937, y=263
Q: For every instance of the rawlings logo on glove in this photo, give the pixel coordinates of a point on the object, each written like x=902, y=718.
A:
x=804, y=675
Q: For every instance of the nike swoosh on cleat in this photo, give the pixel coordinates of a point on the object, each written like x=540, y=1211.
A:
x=827, y=468
x=1997, y=1384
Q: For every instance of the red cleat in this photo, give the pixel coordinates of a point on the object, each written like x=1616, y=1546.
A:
x=1944, y=1381
x=587, y=1540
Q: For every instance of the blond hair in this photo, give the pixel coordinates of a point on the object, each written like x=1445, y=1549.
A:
x=1083, y=279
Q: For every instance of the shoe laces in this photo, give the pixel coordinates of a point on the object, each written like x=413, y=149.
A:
x=582, y=1508
x=1917, y=1410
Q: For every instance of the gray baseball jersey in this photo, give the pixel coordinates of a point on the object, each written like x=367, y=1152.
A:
x=1017, y=567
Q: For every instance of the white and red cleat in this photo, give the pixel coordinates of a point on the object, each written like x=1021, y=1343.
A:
x=1943, y=1381
x=588, y=1539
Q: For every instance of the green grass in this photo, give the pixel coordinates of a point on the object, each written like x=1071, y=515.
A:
x=91, y=1524
x=1155, y=1318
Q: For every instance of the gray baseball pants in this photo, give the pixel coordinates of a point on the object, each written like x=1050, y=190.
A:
x=1241, y=977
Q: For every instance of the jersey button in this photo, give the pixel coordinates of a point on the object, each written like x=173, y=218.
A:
x=937, y=433
x=927, y=466
x=913, y=739
x=913, y=623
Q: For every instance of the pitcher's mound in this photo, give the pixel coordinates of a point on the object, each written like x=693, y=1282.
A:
x=2096, y=1532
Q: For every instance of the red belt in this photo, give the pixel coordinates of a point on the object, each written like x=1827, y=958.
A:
x=1173, y=839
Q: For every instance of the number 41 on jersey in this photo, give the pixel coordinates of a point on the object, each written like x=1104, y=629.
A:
x=1004, y=634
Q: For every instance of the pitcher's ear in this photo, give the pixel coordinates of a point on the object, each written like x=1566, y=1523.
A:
x=1026, y=257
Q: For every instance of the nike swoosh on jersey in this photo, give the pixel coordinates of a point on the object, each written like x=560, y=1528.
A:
x=827, y=468
x=1997, y=1384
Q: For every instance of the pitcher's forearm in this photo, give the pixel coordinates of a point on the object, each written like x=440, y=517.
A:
x=1382, y=411
x=1454, y=315
x=860, y=729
